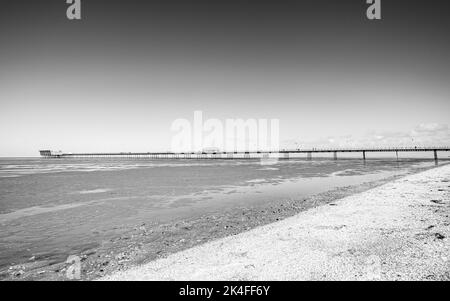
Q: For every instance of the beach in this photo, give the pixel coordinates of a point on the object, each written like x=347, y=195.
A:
x=396, y=231
x=116, y=215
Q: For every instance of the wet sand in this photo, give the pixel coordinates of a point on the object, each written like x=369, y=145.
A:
x=397, y=231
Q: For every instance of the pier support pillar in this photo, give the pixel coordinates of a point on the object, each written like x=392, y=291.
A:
x=309, y=156
x=435, y=155
x=396, y=154
x=364, y=155
x=335, y=155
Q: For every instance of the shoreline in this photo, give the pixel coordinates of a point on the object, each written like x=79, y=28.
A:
x=396, y=231
x=146, y=242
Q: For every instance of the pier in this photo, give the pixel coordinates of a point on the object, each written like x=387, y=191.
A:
x=281, y=154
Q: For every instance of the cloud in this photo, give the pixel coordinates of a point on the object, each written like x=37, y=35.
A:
x=425, y=134
x=430, y=128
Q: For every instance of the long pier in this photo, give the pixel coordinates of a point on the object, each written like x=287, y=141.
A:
x=244, y=154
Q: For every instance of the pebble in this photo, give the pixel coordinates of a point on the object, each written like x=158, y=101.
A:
x=439, y=236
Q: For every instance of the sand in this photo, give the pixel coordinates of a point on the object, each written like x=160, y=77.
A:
x=397, y=231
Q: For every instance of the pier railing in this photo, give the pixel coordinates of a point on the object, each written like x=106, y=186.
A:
x=369, y=149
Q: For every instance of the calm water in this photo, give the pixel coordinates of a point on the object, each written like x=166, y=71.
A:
x=53, y=208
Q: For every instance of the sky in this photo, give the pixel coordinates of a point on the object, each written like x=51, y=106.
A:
x=117, y=79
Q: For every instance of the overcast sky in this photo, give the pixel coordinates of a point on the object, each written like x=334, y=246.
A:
x=118, y=78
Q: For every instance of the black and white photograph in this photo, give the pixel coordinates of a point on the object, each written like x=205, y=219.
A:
x=252, y=142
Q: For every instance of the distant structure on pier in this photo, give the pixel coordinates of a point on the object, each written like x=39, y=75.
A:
x=50, y=153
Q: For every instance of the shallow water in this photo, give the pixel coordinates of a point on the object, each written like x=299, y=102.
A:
x=53, y=208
